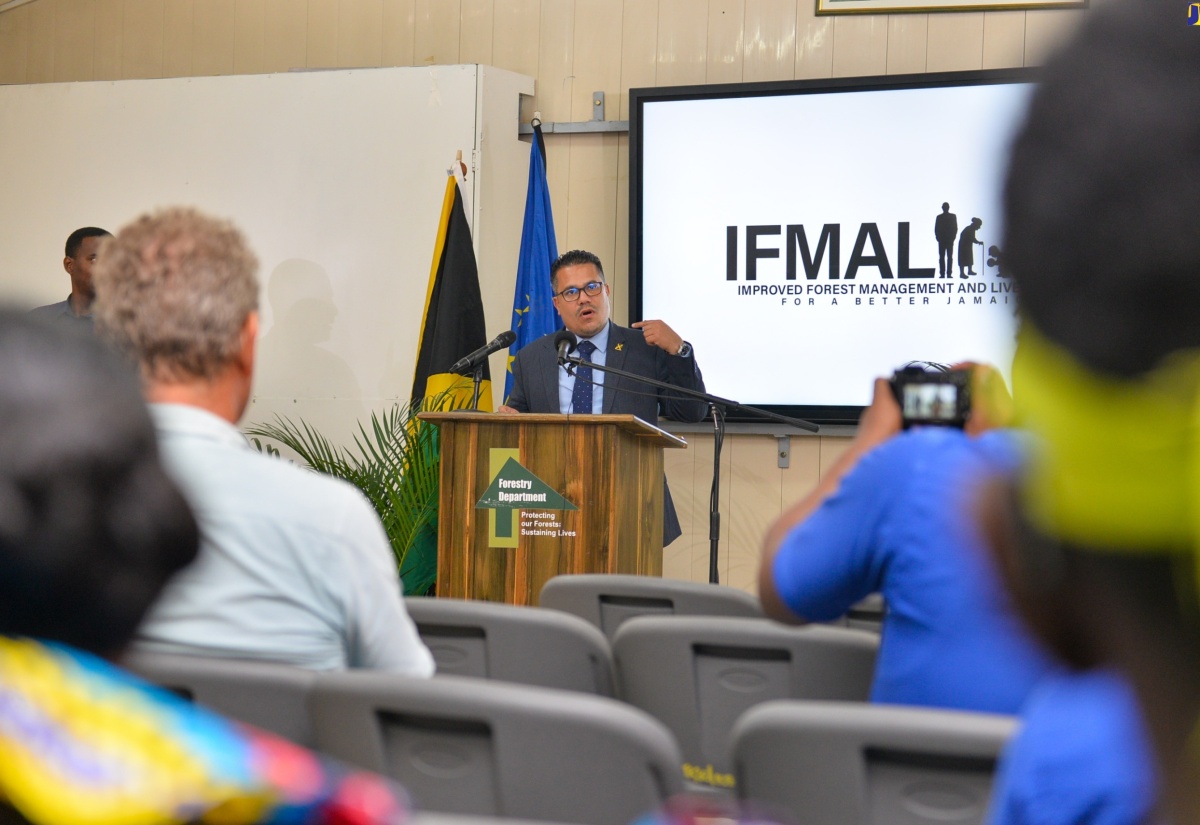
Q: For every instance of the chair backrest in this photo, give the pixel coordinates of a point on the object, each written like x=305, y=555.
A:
x=269, y=696
x=867, y=614
x=482, y=747
x=436, y=818
x=698, y=674
x=605, y=600
x=528, y=645
x=869, y=764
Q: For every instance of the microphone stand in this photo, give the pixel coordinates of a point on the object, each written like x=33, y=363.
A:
x=717, y=407
x=477, y=378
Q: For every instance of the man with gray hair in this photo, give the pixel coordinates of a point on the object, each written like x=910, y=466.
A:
x=294, y=567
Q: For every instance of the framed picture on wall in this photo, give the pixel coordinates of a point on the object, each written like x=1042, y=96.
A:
x=887, y=6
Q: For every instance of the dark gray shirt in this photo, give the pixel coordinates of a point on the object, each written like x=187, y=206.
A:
x=61, y=313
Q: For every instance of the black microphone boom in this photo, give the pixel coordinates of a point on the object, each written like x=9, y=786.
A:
x=564, y=342
x=469, y=362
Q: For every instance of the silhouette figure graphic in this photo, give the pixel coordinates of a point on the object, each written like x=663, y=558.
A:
x=966, y=249
x=945, y=229
x=996, y=259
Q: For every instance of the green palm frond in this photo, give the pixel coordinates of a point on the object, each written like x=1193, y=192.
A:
x=395, y=462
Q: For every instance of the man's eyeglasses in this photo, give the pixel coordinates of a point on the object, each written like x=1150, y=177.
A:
x=591, y=289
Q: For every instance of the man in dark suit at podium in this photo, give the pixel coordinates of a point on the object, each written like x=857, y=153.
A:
x=650, y=348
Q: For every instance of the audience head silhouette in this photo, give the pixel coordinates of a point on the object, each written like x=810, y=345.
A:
x=1099, y=541
x=90, y=527
x=176, y=291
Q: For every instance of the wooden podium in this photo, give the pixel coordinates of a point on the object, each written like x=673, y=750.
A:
x=527, y=497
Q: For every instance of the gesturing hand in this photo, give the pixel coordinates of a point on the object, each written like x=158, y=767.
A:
x=658, y=334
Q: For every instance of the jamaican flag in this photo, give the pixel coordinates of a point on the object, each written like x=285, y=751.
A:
x=452, y=324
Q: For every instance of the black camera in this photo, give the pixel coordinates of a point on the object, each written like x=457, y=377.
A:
x=941, y=397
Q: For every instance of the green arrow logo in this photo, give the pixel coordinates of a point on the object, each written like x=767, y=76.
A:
x=514, y=488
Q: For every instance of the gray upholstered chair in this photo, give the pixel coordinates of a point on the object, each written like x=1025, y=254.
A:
x=867, y=614
x=527, y=645
x=854, y=764
x=269, y=696
x=434, y=818
x=472, y=746
x=698, y=674
x=606, y=600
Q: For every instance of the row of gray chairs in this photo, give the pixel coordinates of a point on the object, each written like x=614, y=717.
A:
x=269, y=696
x=527, y=645
x=470, y=746
x=606, y=600
x=460, y=745
x=696, y=674
x=699, y=674
x=567, y=645
x=823, y=762
x=812, y=764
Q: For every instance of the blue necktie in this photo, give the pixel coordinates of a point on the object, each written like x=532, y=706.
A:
x=581, y=397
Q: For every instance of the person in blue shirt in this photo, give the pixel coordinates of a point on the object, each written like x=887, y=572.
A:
x=893, y=516
x=1080, y=756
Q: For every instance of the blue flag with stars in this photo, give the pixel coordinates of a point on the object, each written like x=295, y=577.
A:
x=534, y=314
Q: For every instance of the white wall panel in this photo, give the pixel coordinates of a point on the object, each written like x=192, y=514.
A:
x=338, y=195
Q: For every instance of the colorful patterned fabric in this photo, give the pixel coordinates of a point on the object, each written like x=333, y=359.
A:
x=81, y=741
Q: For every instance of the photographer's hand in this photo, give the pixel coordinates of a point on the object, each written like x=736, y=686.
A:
x=881, y=420
x=991, y=404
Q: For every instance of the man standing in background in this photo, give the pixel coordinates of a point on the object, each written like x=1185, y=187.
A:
x=82, y=247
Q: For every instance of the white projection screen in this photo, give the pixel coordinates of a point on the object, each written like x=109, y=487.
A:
x=787, y=230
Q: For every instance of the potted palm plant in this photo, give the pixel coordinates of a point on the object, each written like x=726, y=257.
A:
x=394, y=462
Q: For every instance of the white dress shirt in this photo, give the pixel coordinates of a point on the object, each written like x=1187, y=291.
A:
x=566, y=381
x=294, y=567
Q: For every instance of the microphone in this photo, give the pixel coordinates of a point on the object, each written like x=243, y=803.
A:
x=564, y=342
x=469, y=362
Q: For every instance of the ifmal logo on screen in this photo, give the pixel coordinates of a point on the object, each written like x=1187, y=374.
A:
x=754, y=250
x=1194, y=14
x=868, y=251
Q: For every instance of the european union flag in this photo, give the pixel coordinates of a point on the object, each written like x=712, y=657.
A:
x=534, y=314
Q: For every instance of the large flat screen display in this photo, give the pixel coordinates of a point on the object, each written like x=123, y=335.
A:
x=806, y=237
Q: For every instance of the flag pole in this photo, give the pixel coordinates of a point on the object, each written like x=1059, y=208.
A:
x=534, y=313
